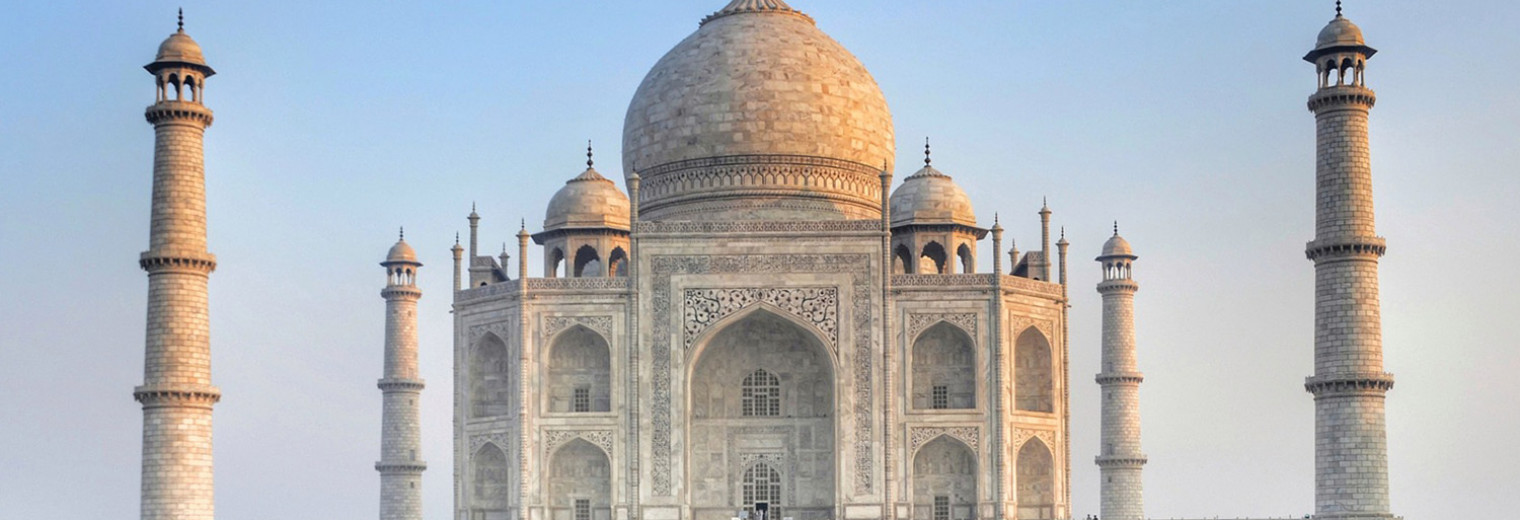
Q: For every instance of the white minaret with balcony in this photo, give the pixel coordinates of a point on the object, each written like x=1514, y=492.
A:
x=400, y=465
x=1120, y=460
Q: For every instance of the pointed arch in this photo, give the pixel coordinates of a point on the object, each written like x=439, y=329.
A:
x=786, y=364
x=761, y=482
x=578, y=372
x=903, y=260
x=579, y=482
x=943, y=368
x=944, y=480
x=967, y=259
x=1033, y=373
x=490, y=377
x=489, y=482
x=617, y=262
x=1036, y=481
x=587, y=262
x=556, y=262
x=932, y=259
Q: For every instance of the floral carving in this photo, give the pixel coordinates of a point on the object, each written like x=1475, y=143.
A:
x=918, y=437
x=553, y=439
x=818, y=306
x=556, y=324
x=918, y=322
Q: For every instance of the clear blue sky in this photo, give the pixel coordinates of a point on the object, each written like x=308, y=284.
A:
x=339, y=121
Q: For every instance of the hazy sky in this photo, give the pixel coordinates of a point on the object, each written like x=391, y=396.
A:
x=338, y=122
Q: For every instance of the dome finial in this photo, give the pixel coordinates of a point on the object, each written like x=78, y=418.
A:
x=927, y=160
x=1116, y=228
x=588, y=154
x=456, y=238
x=402, y=234
x=181, y=19
x=1337, y=8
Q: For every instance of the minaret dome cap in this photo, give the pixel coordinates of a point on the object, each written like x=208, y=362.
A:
x=402, y=253
x=588, y=200
x=182, y=51
x=1340, y=35
x=1117, y=246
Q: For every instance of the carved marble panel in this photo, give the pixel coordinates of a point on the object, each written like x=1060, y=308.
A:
x=818, y=306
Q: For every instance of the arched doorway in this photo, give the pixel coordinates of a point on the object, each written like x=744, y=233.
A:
x=944, y=369
x=490, y=376
x=580, y=483
x=1033, y=375
x=579, y=372
x=944, y=481
x=761, y=394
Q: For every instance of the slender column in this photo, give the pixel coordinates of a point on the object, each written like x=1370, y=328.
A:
x=1120, y=460
x=400, y=464
x=1349, y=384
x=177, y=394
x=1044, y=242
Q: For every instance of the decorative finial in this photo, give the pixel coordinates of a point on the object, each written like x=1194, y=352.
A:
x=1116, y=228
x=588, y=154
x=456, y=238
x=402, y=234
x=1063, y=232
x=504, y=249
x=1337, y=8
x=524, y=225
x=181, y=19
x=994, y=218
x=927, y=160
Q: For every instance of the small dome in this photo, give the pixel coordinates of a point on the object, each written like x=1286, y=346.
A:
x=1117, y=246
x=178, y=47
x=931, y=197
x=588, y=201
x=1340, y=32
x=401, y=253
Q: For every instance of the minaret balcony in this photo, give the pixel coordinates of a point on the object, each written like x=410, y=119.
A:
x=1342, y=95
x=169, y=111
x=1121, y=461
x=1346, y=248
x=1120, y=377
x=1339, y=385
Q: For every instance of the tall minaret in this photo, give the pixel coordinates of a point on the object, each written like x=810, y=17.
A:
x=1120, y=461
x=1349, y=384
x=400, y=431
x=176, y=393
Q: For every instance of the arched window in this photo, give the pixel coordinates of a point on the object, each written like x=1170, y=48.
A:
x=587, y=262
x=1037, y=482
x=579, y=373
x=932, y=261
x=944, y=369
x=762, y=483
x=1034, y=386
x=490, y=378
x=761, y=395
x=968, y=261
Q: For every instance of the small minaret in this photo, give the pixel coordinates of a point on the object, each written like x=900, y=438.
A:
x=1120, y=460
x=1044, y=241
x=176, y=393
x=400, y=431
x=1349, y=384
x=458, y=261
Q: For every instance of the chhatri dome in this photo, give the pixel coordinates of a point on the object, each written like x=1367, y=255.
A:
x=758, y=115
x=931, y=197
x=588, y=200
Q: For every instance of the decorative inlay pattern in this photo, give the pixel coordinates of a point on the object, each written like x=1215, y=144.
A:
x=942, y=280
x=758, y=226
x=1021, y=436
x=497, y=438
x=588, y=283
x=501, y=329
x=919, y=436
x=663, y=267
x=553, y=439
x=556, y=324
x=918, y=322
x=818, y=306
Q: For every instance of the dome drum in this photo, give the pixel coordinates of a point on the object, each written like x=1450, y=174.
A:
x=747, y=186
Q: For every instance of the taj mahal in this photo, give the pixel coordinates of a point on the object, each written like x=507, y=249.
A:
x=765, y=316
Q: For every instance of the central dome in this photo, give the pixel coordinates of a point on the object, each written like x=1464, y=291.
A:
x=758, y=116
